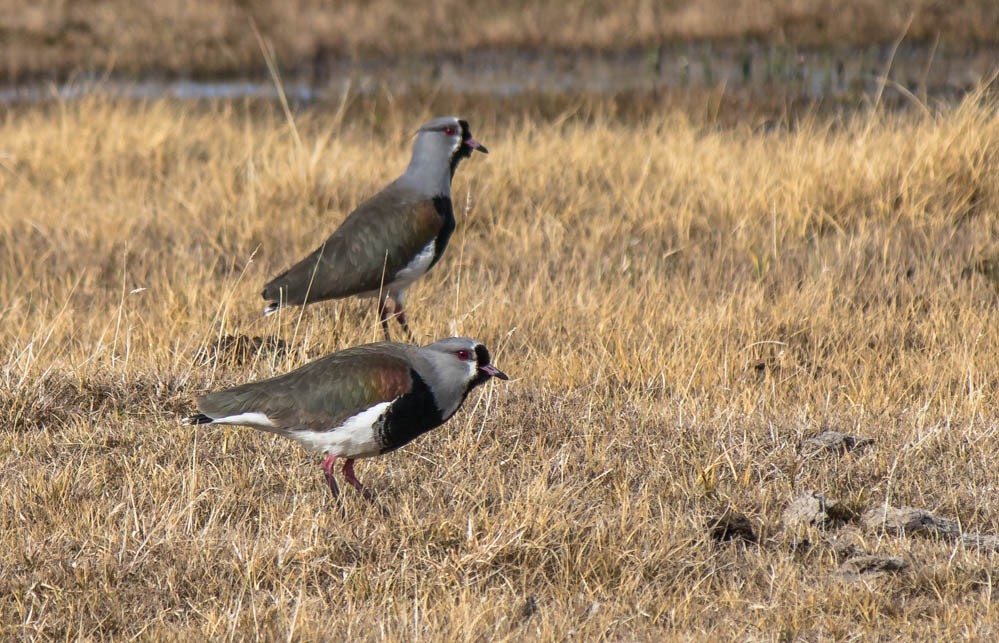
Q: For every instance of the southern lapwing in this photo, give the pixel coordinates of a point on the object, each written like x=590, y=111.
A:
x=360, y=402
x=390, y=240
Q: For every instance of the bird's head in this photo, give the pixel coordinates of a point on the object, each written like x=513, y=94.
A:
x=459, y=365
x=446, y=139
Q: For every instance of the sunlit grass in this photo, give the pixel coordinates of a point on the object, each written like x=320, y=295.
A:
x=679, y=303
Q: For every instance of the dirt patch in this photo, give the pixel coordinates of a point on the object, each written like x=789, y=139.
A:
x=732, y=526
x=911, y=521
x=871, y=564
x=833, y=442
x=843, y=528
x=813, y=509
x=908, y=521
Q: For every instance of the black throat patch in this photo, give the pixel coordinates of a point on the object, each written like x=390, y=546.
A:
x=481, y=359
x=463, y=151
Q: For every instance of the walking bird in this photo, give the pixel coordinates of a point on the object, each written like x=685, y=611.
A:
x=390, y=240
x=360, y=402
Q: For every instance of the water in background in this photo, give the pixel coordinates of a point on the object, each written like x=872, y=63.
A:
x=910, y=70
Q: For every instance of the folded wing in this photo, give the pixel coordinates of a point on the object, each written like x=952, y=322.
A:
x=377, y=241
x=319, y=396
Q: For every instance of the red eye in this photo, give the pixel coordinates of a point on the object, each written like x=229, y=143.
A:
x=464, y=355
x=450, y=130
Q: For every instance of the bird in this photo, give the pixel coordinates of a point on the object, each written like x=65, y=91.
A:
x=391, y=239
x=360, y=402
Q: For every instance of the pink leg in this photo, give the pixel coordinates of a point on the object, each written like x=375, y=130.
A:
x=348, y=473
x=384, y=314
x=400, y=315
x=328, y=470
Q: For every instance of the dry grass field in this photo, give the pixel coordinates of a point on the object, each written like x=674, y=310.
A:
x=215, y=36
x=681, y=304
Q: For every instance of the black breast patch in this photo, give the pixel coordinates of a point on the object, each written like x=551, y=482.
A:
x=410, y=416
x=442, y=204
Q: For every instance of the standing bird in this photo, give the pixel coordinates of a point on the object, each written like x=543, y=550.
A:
x=390, y=240
x=360, y=402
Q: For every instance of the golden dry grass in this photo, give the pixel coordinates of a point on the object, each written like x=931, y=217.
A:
x=679, y=302
x=180, y=36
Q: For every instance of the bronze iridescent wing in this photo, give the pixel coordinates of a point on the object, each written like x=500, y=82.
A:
x=321, y=394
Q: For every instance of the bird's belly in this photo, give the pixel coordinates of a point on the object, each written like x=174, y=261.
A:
x=355, y=438
x=415, y=268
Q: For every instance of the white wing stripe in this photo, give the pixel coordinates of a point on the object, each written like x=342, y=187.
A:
x=246, y=419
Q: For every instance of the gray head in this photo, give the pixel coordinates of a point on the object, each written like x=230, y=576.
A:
x=440, y=145
x=456, y=366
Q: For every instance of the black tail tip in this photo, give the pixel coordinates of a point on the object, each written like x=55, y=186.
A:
x=275, y=296
x=200, y=418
